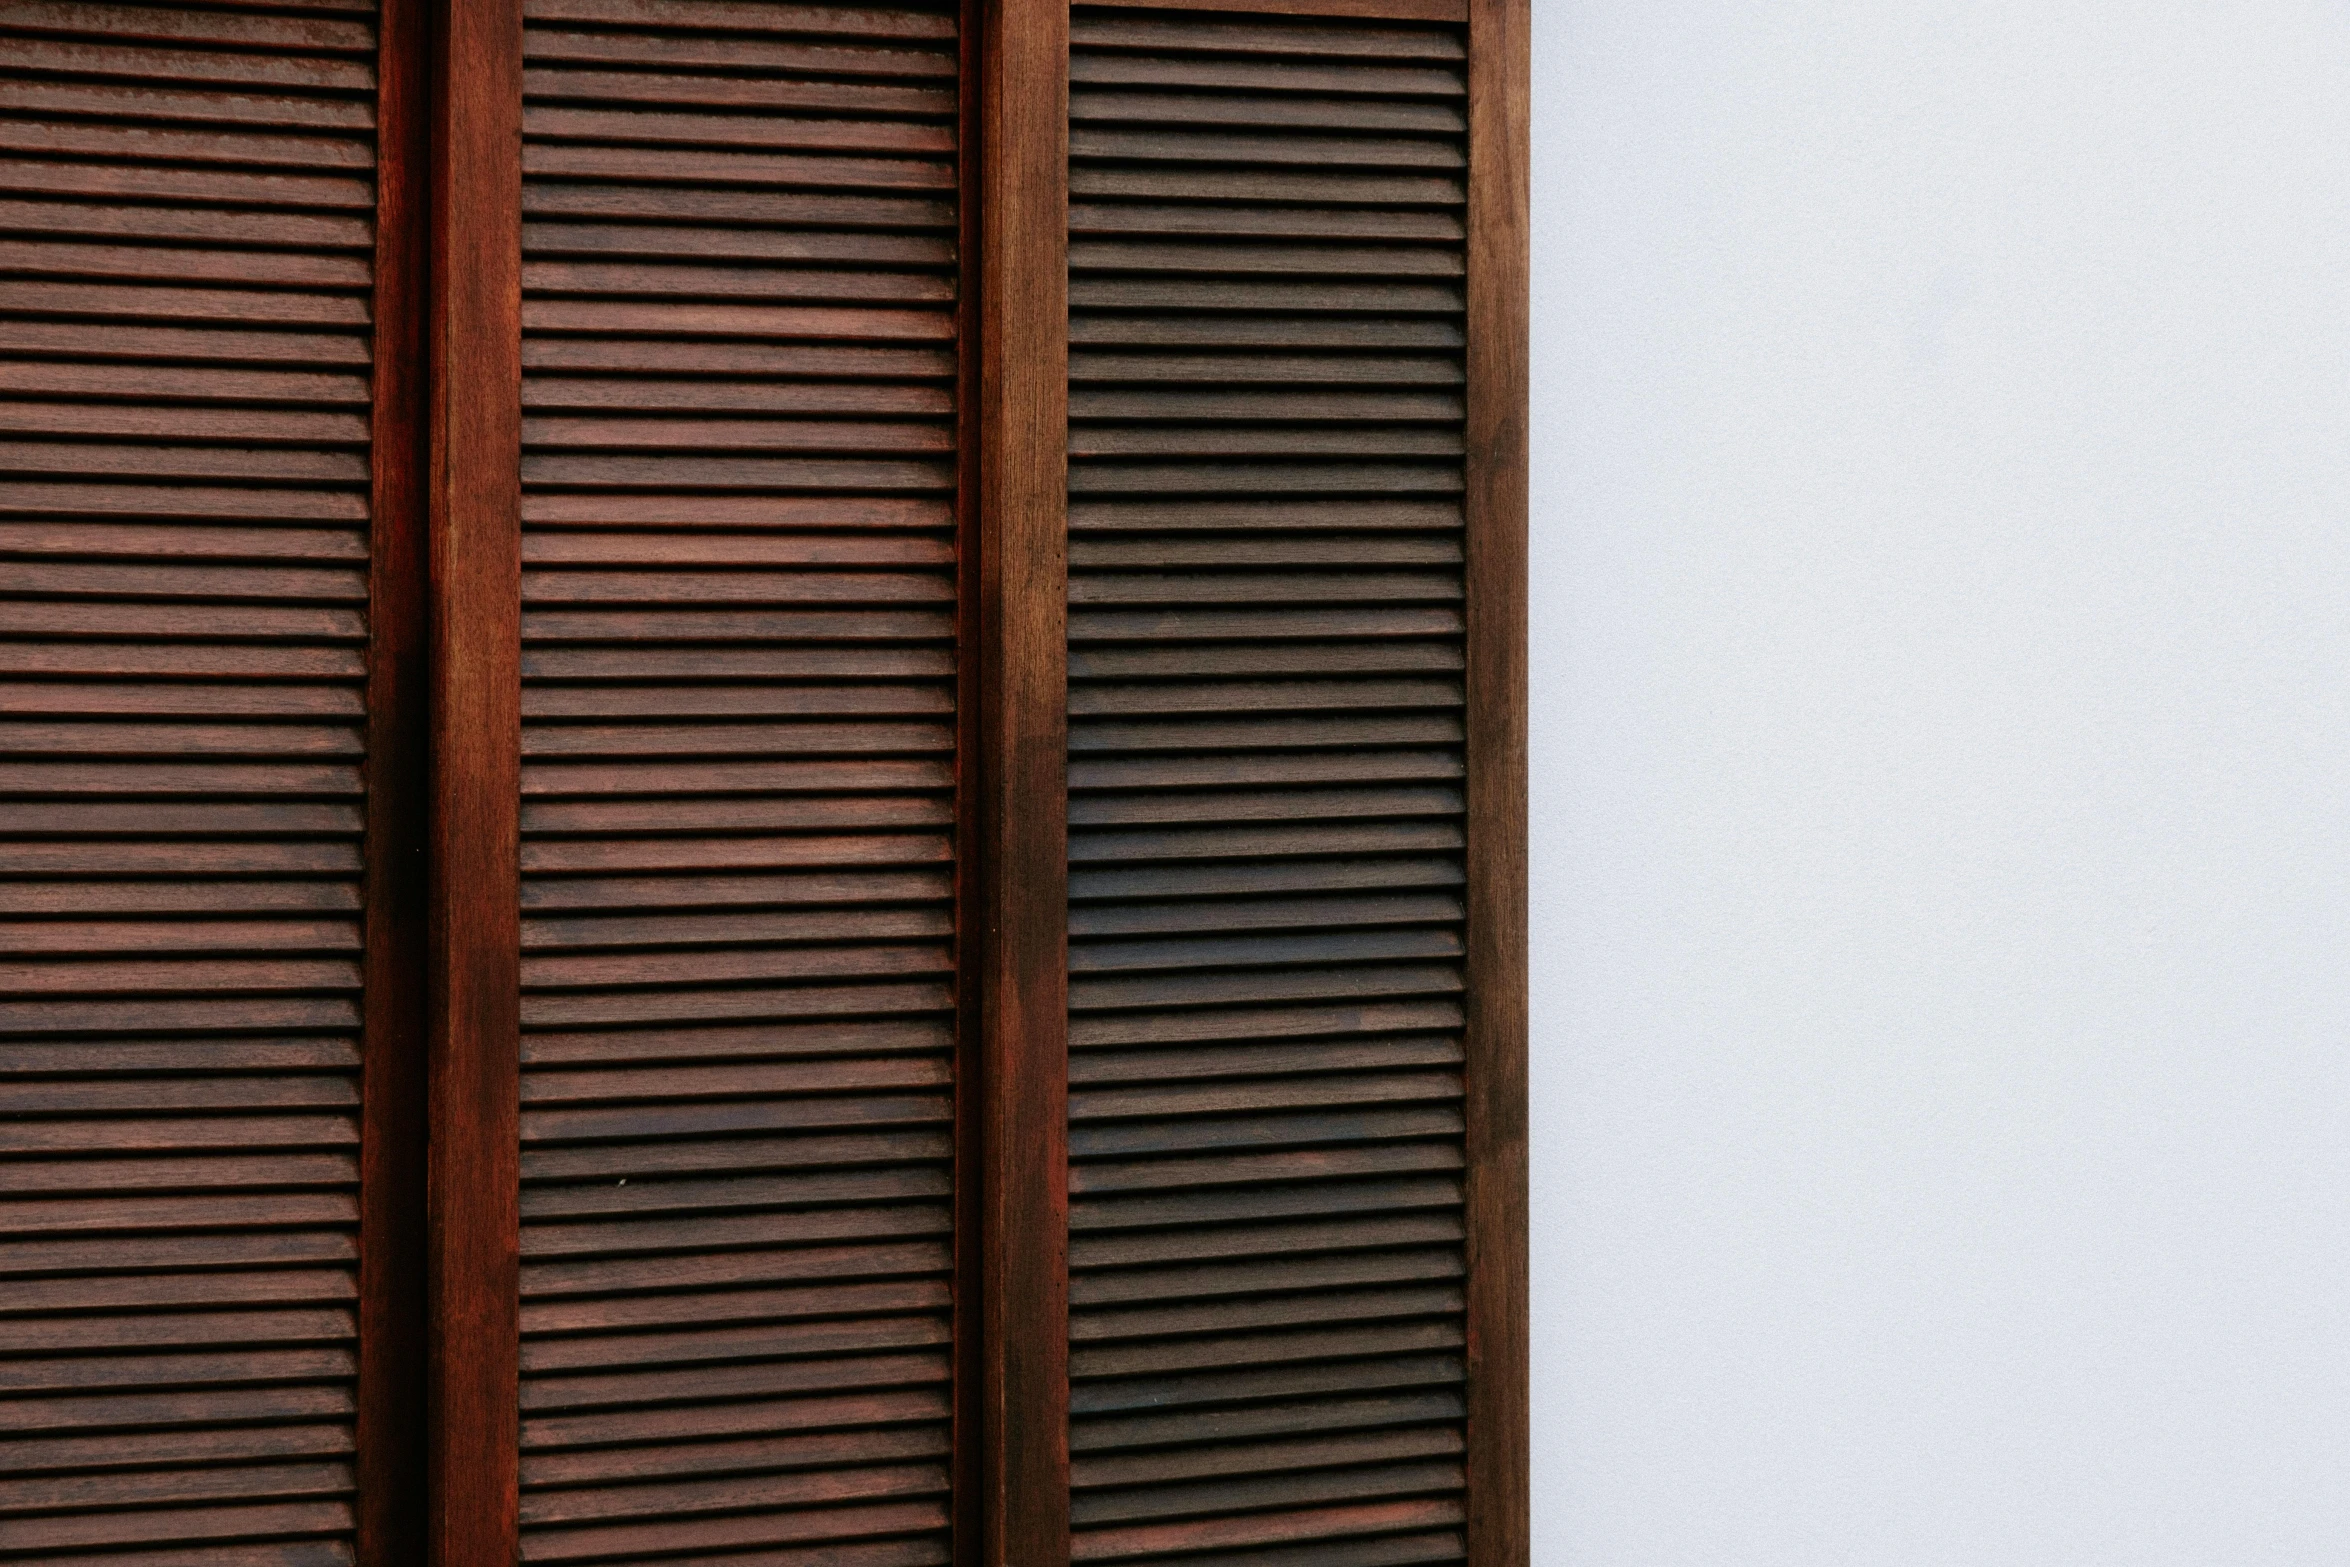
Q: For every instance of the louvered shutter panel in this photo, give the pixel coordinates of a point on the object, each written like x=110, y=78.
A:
x=185, y=228
x=738, y=818
x=1266, y=763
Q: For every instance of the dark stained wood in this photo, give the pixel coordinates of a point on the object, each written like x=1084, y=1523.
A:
x=798, y=1154
x=666, y=242
x=475, y=552
x=685, y=1499
x=391, y=1434
x=82, y=138
x=969, y=1463
x=186, y=546
x=734, y=282
x=187, y=26
x=170, y=266
x=1199, y=220
x=743, y=734
x=207, y=67
x=867, y=21
x=719, y=91
x=1499, y=1527
x=550, y=123
x=747, y=54
x=1022, y=964
x=1110, y=68
x=1355, y=1482
x=1267, y=748
x=1274, y=1529
x=1224, y=147
x=131, y=102
x=1106, y=29
x=1365, y=10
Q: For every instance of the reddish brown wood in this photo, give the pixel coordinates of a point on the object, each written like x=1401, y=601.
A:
x=476, y=376
x=1023, y=84
x=1360, y=10
x=165, y=1073
x=1499, y=1527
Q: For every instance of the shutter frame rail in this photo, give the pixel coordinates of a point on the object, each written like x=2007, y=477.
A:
x=1500, y=1528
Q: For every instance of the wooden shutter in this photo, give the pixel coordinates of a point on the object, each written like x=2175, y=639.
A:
x=187, y=206
x=973, y=962
x=1267, y=760
x=739, y=666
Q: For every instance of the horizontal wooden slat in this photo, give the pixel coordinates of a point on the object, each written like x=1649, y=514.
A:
x=271, y=74
x=716, y=90
x=656, y=128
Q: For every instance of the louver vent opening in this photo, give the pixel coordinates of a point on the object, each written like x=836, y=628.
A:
x=739, y=706
x=1266, y=759
x=186, y=211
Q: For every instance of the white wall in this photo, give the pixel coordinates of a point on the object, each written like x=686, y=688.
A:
x=1942, y=783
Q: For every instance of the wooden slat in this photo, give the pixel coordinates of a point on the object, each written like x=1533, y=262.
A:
x=1365, y=10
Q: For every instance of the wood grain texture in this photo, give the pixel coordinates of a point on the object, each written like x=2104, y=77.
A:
x=1268, y=743
x=391, y=1427
x=743, y=731
x=1360, y=10
x=1499, y=1521
x=475, y=556
x=968, y=1436
x=185, y=535
x=1023, y=390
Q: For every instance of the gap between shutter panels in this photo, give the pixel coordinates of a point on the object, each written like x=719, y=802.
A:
x=1266, y=763
x=185, y=227
x=739, y=665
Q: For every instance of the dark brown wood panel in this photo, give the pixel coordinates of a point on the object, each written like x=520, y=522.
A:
x=1500, y=94
x=1268, y=759
x=739, y=809
x=1022, y=779
x=393, y=1312
x=474, y=739
x=186, y=223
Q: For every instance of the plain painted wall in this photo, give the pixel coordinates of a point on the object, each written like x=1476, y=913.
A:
x=1942, y=783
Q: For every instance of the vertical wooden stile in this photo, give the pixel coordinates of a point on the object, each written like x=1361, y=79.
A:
x=390, y=1436
x=475, y=359
x=967, y=1471
x=1499, y=98
x=1023, y=975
